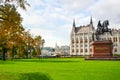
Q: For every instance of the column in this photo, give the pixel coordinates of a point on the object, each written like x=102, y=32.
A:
x=88, y=43
x=74, y=44
x=83, y=44
x=118, y=43
x=79, y=45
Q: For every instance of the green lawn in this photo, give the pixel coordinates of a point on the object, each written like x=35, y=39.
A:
x=59, y=69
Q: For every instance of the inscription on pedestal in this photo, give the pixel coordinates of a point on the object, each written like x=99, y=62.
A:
x=102, y=49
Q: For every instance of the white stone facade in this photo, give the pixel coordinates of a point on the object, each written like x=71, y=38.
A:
x=81, y=39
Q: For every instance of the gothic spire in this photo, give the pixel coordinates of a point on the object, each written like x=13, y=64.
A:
x=91, y=22
x=74, y=23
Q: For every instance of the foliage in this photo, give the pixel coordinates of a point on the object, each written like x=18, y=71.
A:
x=14, y=40
x=17, y=3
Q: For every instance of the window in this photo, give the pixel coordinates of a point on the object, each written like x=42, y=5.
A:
x=72, y=40
x=90, y=40
x=86, y=50
x=72, y=45
x=115, y=50
x=77, y=50
x=85, y=45
x=76, y=45
x=114, y=39
x=85, y=40
x=81, y=45
x=90, y=50
x=81, y=50
x=76, y=40
x=73, y=50
x=81, y=40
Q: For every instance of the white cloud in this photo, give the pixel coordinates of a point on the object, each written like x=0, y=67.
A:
x=76, y=4
x=46, y=34
x=50, y=36
x=52, y=19
x=106, y=9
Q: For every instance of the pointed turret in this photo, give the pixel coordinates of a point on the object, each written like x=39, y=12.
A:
x=74, y=26
x=91, y=22
x=74, y=23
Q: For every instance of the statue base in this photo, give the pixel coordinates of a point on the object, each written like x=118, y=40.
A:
x=102, y=50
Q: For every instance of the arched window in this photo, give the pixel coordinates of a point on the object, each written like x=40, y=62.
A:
x=76, y=40
x=115, y=50
x=72, y=50
x=81, y=40
x=77, y=50
x=81, y=50
x=85, y=45
x=85, y=40
x=76, y=45
x=72, y=45
x=86, y=50
x=114, y=39
x=72, y=40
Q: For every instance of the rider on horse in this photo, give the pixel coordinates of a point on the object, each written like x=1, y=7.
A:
x=102, y=28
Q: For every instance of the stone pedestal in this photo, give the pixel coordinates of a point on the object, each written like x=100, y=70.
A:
x=102, y=49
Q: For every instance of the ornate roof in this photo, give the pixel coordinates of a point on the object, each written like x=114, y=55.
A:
x=83, y=29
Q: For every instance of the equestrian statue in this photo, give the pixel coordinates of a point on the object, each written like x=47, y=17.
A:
x=102, y=28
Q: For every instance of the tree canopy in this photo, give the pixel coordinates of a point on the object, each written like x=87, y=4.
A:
x=18, y=3
x=15, y=41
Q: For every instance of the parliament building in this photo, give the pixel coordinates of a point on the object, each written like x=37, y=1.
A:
x=81, y=39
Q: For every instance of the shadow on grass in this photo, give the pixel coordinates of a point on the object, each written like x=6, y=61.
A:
x=24, y=76
x=34, y=76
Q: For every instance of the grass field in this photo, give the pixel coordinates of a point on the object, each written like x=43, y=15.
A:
x=59, y=69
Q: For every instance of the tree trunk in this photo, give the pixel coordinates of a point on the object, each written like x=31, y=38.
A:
x=4, y=51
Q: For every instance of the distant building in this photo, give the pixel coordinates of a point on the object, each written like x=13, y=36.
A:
x=62, y=50
x=65, y=50
x=81, y=39
x=57, y=51
x=47, y=51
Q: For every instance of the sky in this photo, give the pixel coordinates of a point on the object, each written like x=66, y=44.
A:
x=53, y=19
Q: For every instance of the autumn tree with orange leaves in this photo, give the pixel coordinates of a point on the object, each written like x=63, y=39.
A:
x=15, y=42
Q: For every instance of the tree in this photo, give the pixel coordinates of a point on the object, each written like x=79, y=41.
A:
x=14, y=40
x=18, y=3
x=10, y=26
x=28, y=43
x=38, y=44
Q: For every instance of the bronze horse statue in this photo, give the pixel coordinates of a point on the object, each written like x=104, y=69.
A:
x=102, y=28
